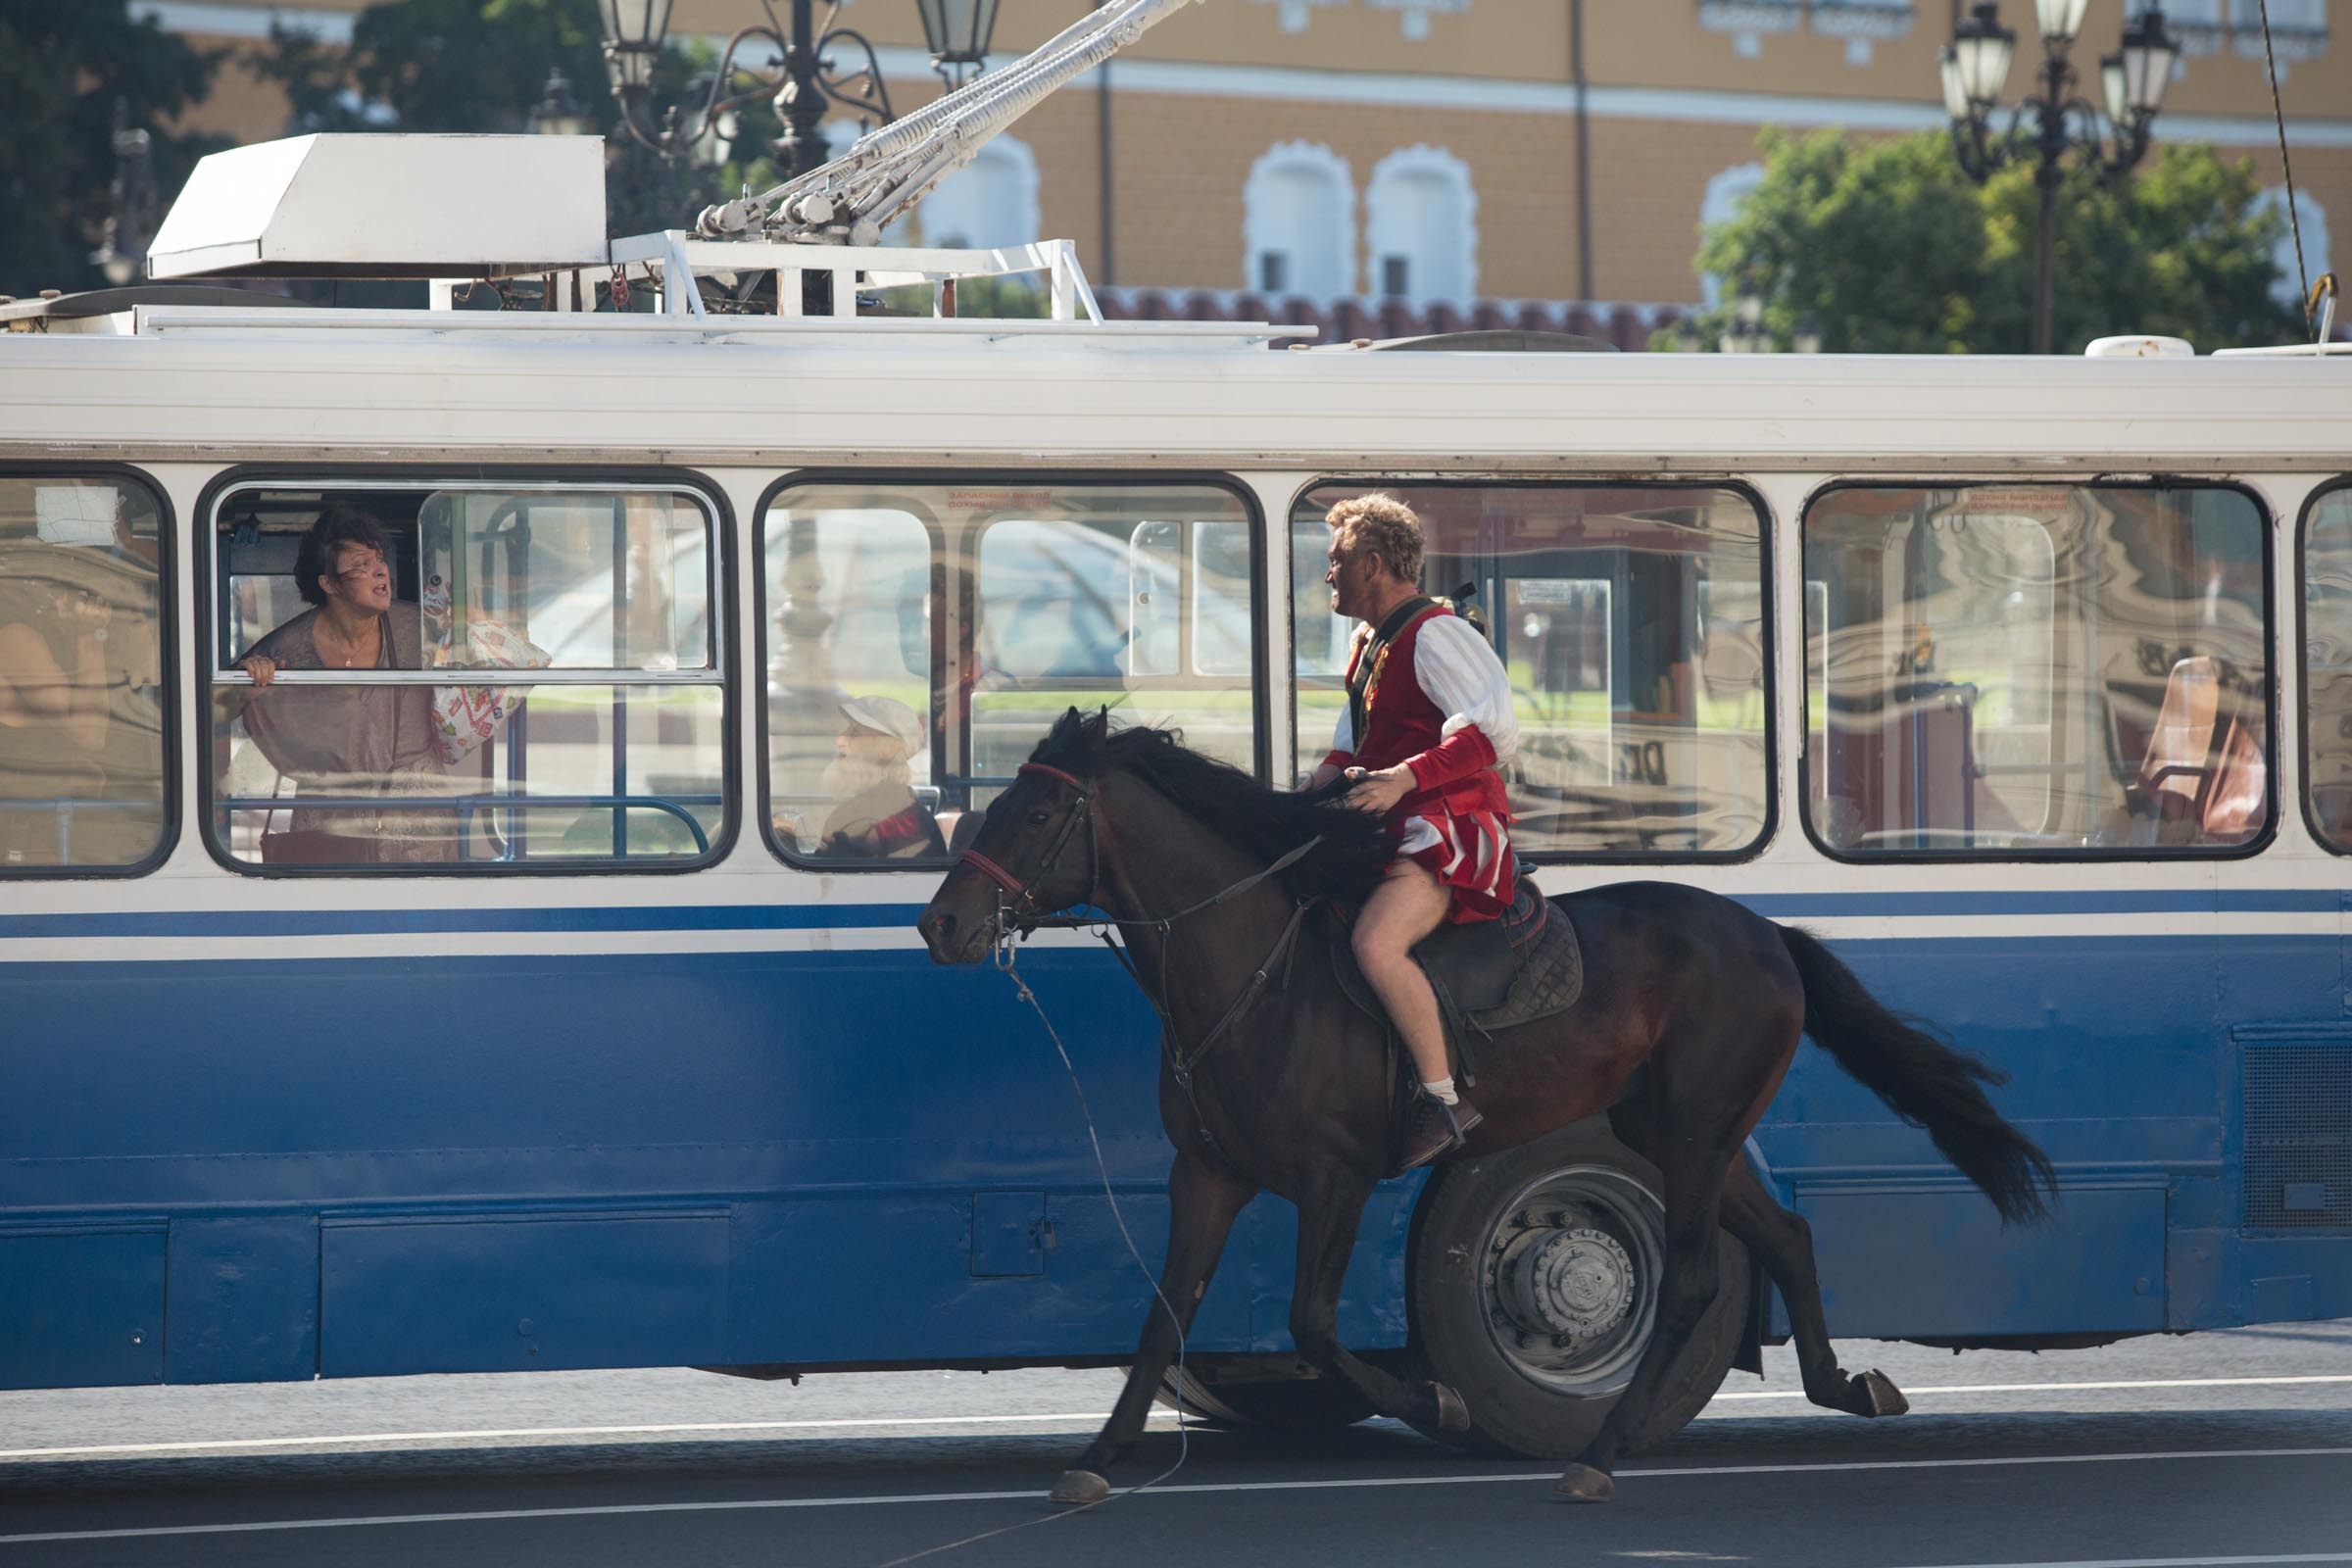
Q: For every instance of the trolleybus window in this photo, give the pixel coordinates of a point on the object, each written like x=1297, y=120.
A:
x=2328, y=665
x=81, y=712
x=921, y=637
x=466, y=676
x=2005, y=669
x=1631, y=620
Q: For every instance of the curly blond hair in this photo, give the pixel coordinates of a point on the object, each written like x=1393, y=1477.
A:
x=1384, y=525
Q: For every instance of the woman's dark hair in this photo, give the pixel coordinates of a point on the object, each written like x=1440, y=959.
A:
x=340, y=524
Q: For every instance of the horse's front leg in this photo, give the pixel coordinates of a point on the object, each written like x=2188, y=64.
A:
x=1203, y=1197
x=1328, y=1217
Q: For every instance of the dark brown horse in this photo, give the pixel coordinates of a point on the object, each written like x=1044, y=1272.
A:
x=1290, y=1084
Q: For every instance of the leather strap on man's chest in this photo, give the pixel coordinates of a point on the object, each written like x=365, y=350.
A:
x=1367, y=663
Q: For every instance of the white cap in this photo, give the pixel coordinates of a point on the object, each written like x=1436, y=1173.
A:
x=886, y=716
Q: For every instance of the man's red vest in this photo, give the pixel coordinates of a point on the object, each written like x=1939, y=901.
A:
x=1456, y=773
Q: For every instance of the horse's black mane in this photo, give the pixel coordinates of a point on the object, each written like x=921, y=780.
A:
x=1264, y=824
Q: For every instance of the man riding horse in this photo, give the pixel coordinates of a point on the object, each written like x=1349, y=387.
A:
x=1426, y=731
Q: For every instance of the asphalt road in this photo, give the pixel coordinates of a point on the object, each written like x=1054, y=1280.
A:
x=2229, y=1449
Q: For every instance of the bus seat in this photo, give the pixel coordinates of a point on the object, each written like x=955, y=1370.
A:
x=2181, y=741
x=2204, y=767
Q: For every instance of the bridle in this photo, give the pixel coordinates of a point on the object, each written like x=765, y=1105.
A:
x=1022, y=915
x=1024, y=909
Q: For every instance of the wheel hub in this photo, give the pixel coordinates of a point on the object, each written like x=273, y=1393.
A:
x=1574, y=1281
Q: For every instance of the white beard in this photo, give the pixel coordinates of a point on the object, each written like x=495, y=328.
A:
x=850, y=775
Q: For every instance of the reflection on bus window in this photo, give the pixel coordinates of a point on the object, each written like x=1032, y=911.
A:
x=531, y=759
x=2035, y=668
x=2327, y=666
x=923, y=637
x=82, y=733
x=1630, y=620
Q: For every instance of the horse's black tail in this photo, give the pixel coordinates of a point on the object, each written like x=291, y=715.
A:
x=1923, y=1081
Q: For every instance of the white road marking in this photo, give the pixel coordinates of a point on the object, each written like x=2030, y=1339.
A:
x=2269, y=1562
x=1080, y=1417
x=1335, y=1484
x=1088, y=1417
x=2036, y=1388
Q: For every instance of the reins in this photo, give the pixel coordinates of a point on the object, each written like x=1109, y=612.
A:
x=1021, y=916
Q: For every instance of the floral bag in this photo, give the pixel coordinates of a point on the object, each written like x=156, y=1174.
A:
x=464, y=716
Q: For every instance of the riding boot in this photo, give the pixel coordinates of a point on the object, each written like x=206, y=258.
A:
x=1436, y=1128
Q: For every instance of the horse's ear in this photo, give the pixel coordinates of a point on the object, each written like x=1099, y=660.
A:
x=1096, y=725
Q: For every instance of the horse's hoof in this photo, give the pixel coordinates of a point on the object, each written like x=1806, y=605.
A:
x=1078, y=1488
x=1453, y=1414
x=1581, y=1483
x=1878, y=1391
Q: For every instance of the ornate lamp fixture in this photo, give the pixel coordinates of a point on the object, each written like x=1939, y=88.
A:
x=558, y=112
x=803, y=81
x=2054, y=121
x=1746, y=334
x=958, y=33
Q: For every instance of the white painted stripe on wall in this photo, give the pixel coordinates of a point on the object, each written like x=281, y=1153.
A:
x=903, y=938
x=1391, y=90
x=449, y=945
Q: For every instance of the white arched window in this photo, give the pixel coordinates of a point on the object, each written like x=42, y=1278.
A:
x=2287, y=287
x=1725, y=192
x=1421, y=221
x=1299, y=223
x=988, y=202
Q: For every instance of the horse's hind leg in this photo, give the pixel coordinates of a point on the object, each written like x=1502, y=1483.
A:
x=1327, y=1225
x=1693, y=1175
x=1203, y=1197
x=1783, y=1242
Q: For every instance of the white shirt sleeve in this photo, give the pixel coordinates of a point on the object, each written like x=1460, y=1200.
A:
x=1459, y=673
x=1342, y=734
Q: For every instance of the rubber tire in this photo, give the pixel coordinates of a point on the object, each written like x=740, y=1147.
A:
x=1304, y=1404
x=1509, y=1413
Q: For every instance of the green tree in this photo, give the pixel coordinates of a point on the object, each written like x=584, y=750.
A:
x=1893, y=250
x=441, y=66
x=2177, y=247
x=62, y=69
x=482, y=66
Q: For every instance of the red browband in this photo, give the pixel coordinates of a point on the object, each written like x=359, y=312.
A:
x=1071, y=779
x=990, y=869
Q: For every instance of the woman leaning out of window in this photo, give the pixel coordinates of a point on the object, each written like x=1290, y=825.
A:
x=347, y=741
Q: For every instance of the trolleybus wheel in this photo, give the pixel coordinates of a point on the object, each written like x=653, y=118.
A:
x=1289, y=1405
x=1534, y=1278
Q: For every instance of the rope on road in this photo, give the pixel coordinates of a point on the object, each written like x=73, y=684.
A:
x=1008, y=962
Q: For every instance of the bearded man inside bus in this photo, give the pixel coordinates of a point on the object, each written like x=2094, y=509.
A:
x=1426, y=731
x=875, y=812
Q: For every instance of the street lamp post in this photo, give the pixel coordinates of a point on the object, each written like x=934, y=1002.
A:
x=131, y=216
x=2055, y=121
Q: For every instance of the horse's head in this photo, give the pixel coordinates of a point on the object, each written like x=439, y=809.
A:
x=1035, y=852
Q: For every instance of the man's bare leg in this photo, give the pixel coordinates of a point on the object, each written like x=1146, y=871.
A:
x=1408, y=905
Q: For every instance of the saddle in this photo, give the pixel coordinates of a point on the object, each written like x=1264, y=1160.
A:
x=1488, y=975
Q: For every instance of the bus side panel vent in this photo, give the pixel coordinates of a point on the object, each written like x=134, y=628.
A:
x=2298, y=1120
